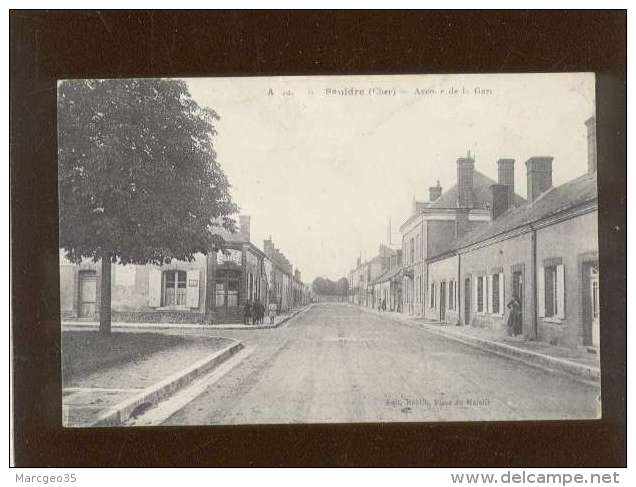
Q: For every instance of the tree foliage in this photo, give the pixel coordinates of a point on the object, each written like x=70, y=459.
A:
x=325, y=286
x=138, y=177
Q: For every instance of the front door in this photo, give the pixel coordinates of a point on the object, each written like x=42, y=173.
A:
x=517, y=290
x=467, y=295
x=87, y=294
x=442, y=301
x=227, y=291
x=594, y=296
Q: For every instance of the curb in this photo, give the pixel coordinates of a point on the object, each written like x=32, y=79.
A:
x=186, y=326
x=293, y=314
x=586, y=373
x=121, y=412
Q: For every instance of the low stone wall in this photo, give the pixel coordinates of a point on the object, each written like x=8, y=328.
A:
x=159, y=316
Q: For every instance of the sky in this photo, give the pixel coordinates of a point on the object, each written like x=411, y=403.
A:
x=322, y=163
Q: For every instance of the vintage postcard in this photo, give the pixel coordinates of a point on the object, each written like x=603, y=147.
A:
x=329, y=249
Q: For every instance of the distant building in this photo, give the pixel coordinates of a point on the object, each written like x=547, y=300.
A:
x=387, y=288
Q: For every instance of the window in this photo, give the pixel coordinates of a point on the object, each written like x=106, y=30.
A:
x=480, y=294
x=412, y=250
x=552, y=296
x=417, y=245
x=551, y=302
x=432, y=294
x=174, y=288
x=495, y=294
x=250, y=284
x=451, y=294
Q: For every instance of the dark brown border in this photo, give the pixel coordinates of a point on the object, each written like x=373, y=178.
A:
x=45, y=46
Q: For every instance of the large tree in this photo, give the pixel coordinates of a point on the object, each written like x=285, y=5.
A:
x=138, y=177
x=325, y=286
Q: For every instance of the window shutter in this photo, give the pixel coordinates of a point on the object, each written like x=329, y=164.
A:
x=476, y=293
x=560, y=271
x=489, y=294
x=502, y=294
x=192, y=292
x=154, y=288
x=540, y=292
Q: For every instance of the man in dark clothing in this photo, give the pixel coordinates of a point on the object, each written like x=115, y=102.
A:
x=256, y=312
x=247, y=312
x=514, y=318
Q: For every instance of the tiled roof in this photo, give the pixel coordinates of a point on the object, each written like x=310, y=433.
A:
x=561, y=198
x=481, y=191
x=388, y=275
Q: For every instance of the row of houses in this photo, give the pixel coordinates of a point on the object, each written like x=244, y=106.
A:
x=468, y=251
x=212, y=288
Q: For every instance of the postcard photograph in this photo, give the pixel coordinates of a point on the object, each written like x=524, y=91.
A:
x=328, y=249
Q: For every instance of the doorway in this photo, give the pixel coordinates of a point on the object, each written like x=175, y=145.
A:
x=467, y=295
x=442, y=301
x=87, y=294
x=595, y=302
x=227, y=291
x=517, y=291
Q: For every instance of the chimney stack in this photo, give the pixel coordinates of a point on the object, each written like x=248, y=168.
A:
x=434, y=192
x=268, y=247
x=465, y=168
x=539, y=174
x=500, y=200
x=506, y=169
x=244, y=227
x=590, y=123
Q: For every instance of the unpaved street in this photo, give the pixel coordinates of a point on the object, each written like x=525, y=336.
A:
x=338, y=363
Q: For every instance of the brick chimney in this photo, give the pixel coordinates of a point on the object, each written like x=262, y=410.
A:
x=590, y=123
x=434, y=192
x=465, y=168
x=268, y=247
x=539, y=171
x=500, y=200
x=244, y=227
x=506, y=169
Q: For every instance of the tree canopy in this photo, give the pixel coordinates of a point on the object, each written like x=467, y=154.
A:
x=326, y=286
x=138, y=177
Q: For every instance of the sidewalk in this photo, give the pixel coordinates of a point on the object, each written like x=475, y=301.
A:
x=111, y=395
x=575, y=362
x=279, y=320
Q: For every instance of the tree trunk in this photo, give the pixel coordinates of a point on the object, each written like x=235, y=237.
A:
x=104, y=305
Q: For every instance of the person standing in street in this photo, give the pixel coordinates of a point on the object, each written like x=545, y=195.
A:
x=513, y=325
x=272, y=312
x=257, y=312
x=247, y=312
